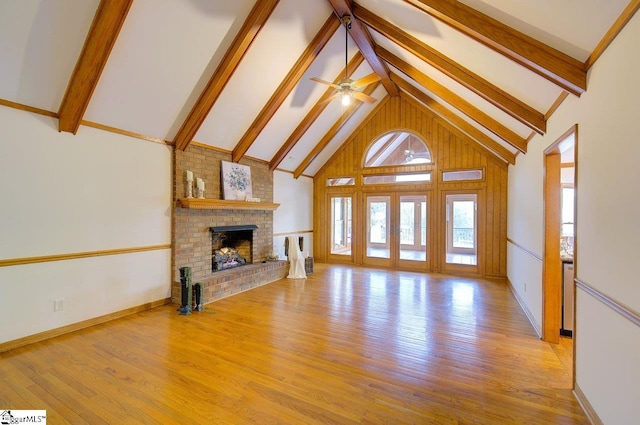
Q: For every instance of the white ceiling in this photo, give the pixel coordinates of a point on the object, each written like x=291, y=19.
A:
x=167, y=51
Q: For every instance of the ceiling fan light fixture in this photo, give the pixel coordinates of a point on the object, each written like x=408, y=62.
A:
x=346, y=98
x=346, y=87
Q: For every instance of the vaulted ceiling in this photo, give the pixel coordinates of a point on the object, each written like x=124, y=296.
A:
x=235, y=75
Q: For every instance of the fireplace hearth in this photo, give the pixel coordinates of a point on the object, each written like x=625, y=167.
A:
x=231, y=246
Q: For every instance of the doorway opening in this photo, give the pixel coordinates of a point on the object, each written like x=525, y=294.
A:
x=559, y=259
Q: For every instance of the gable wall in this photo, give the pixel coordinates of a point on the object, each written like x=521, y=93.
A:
x=450, y=150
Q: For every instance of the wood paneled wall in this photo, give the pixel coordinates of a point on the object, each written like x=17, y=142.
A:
x=450, y=150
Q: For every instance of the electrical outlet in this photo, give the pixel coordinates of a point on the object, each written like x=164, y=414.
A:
x=525, y=287
x=58, y=305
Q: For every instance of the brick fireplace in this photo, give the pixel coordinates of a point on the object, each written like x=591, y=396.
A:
x=192, y=235
x=236, y=238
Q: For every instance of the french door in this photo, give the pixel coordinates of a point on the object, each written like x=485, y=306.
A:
x=396, y=231
x=461, y=232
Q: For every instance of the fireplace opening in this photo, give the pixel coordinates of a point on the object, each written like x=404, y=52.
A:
x=231, y=246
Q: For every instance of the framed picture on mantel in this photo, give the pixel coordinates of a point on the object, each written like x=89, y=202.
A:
x=236, y=181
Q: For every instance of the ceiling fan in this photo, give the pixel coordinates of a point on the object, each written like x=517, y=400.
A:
x=346, y=88
x=411, y=155
x=414, y=157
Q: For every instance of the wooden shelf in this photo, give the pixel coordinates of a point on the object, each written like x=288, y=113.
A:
x=221, y=204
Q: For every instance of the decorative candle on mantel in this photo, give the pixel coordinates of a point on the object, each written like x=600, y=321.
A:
x=200, y=188
x=189, y=184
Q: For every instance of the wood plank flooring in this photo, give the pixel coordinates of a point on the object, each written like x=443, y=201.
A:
x=347, y=345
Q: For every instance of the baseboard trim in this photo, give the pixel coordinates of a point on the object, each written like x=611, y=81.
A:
x=536, y=327
x=42, y=336
x=587, y=407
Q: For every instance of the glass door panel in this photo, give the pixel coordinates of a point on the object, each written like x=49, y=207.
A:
x=413, y=228
x=378, y=227
x=462, y=227
x=341, y=212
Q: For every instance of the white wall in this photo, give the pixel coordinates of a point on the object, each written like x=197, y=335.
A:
x=607, y=344
x=66, y=194
x=295, y=214
x=525, y=273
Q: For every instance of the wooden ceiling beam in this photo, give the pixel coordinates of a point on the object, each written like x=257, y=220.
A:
x=314, y=113
x=474, y=134
x=256, y=20
x=101, y=38
x=483, y=88
x=557, y=67
x=453, y=99
x=285, y=88
x=365, y=43
x=329, y=135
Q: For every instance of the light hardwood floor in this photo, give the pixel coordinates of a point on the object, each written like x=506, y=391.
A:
x=347, y=346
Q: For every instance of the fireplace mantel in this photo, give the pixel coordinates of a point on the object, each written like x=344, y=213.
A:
x=221, y=204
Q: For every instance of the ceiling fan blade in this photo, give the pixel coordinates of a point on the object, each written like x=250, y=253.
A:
x=365, y=81
x=318, y=80
x=330, y=98
x=363, y=97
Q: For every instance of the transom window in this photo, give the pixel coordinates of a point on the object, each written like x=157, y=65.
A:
x=398, y=178
x=341, y=181
x=450, y=176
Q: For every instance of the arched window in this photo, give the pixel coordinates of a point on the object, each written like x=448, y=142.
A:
x=397, y=148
